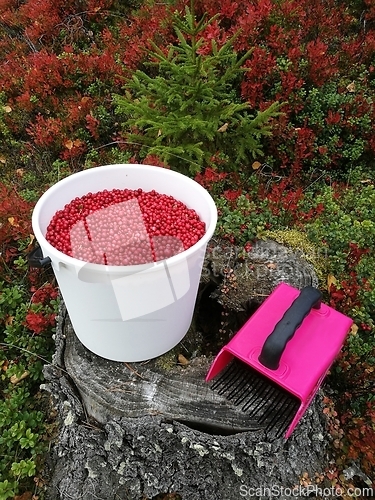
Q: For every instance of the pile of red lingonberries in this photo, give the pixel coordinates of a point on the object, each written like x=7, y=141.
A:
x=124, y=227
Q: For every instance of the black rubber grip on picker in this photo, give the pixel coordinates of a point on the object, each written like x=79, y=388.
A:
x=274, y=345
x=36, y=259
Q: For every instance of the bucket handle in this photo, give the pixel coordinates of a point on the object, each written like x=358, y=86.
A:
x=275, y=344
x=36, y=259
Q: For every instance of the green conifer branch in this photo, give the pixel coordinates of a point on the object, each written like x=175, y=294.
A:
x=189, y=110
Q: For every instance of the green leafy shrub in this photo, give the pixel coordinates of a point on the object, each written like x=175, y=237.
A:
x=340, y=117
x=345, y=229
x=25, y=346
x=321, y=66
x=28, y=305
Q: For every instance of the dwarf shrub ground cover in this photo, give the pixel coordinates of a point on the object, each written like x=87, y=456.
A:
x=61, y=63
x=27, y=316
x=320, y=66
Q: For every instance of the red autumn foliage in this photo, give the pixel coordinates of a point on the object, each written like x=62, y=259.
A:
x=154, y=160
x=15, y=221
x=210, y=177
x=232, y=194
x=135, y=36
x=92, y=124
x=44, y=294
x=44, y=130
x=56, y=59
x=345, y=296
x=37, y=322
x=359, y=427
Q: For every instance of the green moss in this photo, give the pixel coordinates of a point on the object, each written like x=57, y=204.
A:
x=167, y=361
x=299, y=243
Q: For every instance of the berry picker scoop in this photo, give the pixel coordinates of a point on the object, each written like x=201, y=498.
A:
x=277, y=361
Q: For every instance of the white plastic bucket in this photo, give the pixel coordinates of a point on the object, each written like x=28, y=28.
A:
x=128, y=313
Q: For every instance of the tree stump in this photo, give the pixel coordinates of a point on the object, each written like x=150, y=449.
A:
x=134, y=431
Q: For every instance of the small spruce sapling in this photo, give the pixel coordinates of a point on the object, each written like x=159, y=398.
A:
x=188, y=110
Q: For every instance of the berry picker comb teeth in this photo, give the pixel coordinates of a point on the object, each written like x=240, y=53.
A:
x=274, y=365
